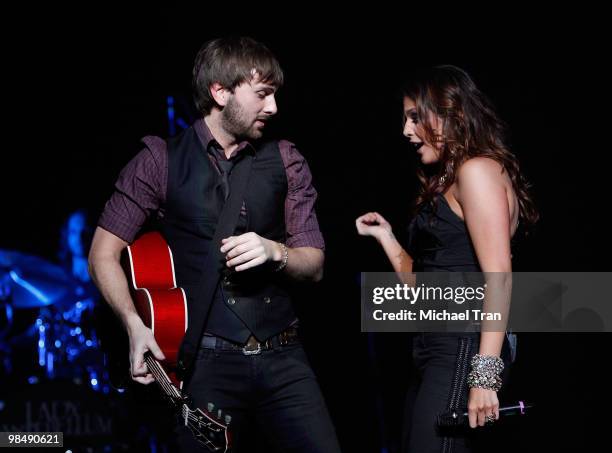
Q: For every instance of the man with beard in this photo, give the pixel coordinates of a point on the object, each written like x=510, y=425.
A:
x=243, y=353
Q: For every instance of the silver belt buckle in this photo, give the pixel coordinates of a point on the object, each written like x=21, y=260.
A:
x=246, y=351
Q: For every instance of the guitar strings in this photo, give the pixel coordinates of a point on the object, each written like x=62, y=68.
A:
x=160, y=376
x=163, y=381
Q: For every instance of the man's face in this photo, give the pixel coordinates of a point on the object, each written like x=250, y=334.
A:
x=249, y=108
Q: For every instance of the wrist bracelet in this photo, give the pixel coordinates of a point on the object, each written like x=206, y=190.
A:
x=283, y=263
x=486, y=370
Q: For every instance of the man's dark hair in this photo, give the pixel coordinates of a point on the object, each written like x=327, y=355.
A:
x=230, y=62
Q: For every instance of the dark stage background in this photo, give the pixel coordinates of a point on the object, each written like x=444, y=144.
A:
x=86, y=90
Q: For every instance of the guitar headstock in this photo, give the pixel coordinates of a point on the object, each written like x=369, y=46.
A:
x=209, y=428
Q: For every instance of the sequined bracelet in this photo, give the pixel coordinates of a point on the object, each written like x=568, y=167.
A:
x=283, y=263
x=486, y=370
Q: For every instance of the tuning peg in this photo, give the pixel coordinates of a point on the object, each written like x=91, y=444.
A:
x=220, y=414
x=210, y=407
x=228, y=419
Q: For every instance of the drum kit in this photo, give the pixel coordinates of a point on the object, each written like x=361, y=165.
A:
x=47, y=328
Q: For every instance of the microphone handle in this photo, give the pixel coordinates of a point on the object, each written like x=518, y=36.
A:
x=455, y=418
x=511, y=410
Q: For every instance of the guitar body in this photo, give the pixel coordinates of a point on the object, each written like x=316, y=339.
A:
x=161, y=305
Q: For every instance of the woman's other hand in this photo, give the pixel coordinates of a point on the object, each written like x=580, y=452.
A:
x=373, y=224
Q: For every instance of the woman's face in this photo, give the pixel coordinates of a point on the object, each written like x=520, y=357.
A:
x=413, y=130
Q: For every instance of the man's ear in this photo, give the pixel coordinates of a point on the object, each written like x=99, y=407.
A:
x=219, y=93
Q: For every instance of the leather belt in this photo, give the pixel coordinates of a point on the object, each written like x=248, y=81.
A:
x=252, y=346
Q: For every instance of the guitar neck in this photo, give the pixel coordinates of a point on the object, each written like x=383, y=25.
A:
x=162, y=378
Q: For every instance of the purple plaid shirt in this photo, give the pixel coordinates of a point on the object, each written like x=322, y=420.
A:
x=140, y=190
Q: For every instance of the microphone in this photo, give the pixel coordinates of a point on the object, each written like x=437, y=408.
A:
x=457, y=418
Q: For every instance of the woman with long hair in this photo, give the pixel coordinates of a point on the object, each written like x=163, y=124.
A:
x=472, y=199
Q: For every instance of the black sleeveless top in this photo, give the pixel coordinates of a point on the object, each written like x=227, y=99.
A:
x=438, y=240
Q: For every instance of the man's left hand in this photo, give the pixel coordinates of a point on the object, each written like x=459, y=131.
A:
x=249, y=250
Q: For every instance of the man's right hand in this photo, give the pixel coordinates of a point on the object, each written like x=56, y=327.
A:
x=141, y=341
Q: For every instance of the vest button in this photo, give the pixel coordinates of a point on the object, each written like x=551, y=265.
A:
x=231, y=301
x=267, y=300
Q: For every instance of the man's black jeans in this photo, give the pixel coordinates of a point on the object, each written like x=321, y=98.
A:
x=275, y=393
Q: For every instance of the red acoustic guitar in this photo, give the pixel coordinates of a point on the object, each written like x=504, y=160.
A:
x=163, y=308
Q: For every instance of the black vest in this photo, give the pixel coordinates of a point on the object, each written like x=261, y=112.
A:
x=254, y=301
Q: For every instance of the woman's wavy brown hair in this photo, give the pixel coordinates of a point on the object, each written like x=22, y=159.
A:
x=470, y=128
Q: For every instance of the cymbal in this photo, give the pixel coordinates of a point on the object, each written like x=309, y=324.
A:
x=33, y=281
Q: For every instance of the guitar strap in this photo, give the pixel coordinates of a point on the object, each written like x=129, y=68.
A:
x=213, y=265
